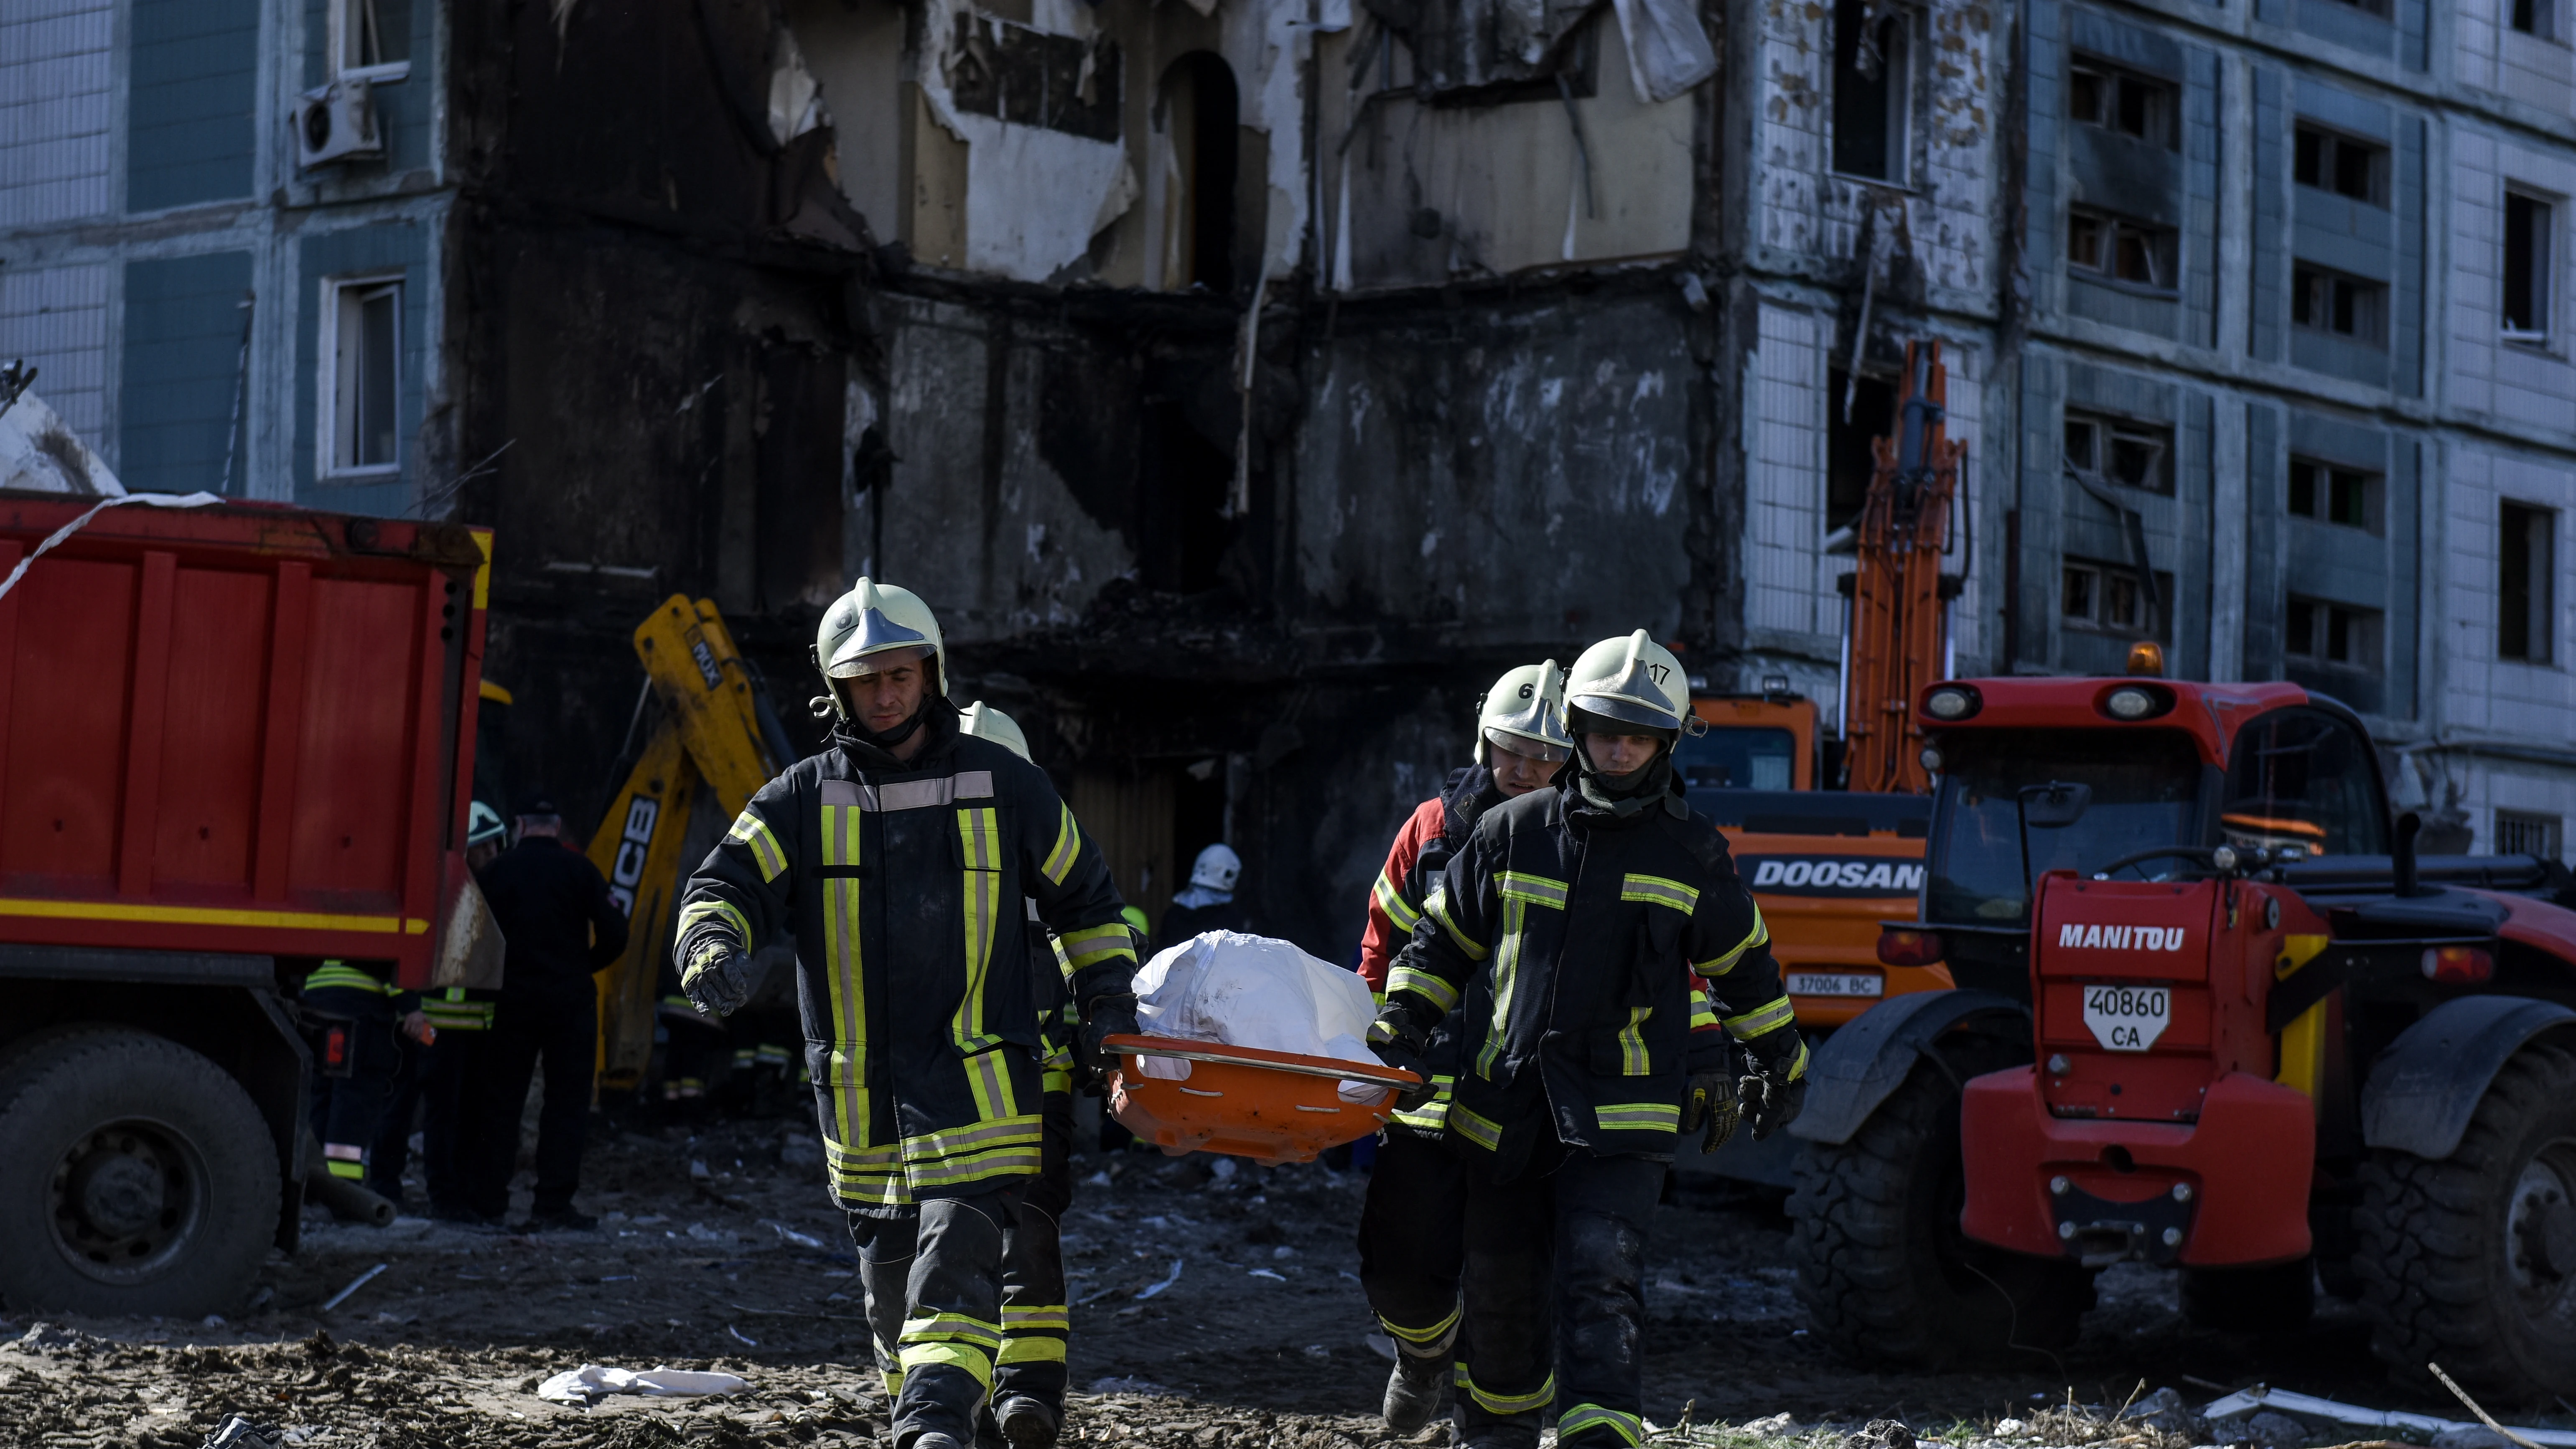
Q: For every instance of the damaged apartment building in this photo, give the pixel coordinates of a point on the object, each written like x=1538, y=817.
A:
x=1247, y=382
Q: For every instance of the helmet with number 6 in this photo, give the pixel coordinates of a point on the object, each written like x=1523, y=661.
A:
x=1632, y=682
x=1525, y=713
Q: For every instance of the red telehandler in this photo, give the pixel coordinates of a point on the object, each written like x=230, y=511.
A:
x=2215, y=1014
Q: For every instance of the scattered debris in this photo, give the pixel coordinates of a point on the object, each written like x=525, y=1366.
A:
x=2307, y=1406
x=1151, y=1289
x=238, y=1432
x=591, y=1382
x=787, y=1234
x=1882, y=1434
x=361, y=1281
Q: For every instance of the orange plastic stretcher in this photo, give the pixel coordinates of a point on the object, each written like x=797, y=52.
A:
x=1272, y=1107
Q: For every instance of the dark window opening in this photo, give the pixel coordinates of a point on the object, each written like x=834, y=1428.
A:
x=2122, y=100
x=2112, y=598
x=1850, y=463
x=2135, y=455
x=2526, y=267
x=2522, y=833
x=2526, y=578
x=2326, y=301
x=2336, y=634
x=1201, y=111
x=2340, y=164
x=2120, y=249
x=1182, y=530
x=1870, y=72
x=2366, y=7
x=2331, y=494
x=2536, y=17
x=1032, y=78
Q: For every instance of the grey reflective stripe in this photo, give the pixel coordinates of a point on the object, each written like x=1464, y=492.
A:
x=911, y=794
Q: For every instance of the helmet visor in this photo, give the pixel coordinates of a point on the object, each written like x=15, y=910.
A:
x=878, y=661
x=1623, y=710
x=1530, y=745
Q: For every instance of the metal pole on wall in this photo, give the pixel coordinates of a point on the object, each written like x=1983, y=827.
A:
x=241, y=385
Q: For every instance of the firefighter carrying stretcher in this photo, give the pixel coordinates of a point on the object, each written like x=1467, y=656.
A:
x=901, y=856
x=1567, y=937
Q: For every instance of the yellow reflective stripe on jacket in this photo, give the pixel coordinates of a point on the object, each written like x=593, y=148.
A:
x=1630, y=1428
x=711, y=908
x=979, y=840
x=1475, y=1127
x=1094, y=944
x=1633, y=1057
x=1431, y=1115
x=1003, y=1148
x=1703, y=1012
x=1068, y=845
x=989, y=1078
x=1659, y=890
x=1519, y=890
x=1390, y=900
x=753, y=833
x=843, y=833
x=1438, y=909
x=1771, y=1016
x=1638, y=1116
x=1425, y=985
x=1494, y=1403
x=1724, y=962
x=332, y=976
x=872, y=1175
x=1538, y=890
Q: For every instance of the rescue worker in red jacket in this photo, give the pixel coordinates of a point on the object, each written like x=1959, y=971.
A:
x=900, y=857
x=1410, y=1252
x=1565, y=937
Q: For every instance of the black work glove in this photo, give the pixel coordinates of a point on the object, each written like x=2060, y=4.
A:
x=1104, y=1017
x=1777, y=1087
x=1712, y=1102
x=1403, y=1043
x=717, y=979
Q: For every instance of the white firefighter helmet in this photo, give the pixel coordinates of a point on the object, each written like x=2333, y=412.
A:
x=1525, y=713
x=1217, y=868
x=483, y=825
x=874, y=626
x=1634, y=681
x=987, y=723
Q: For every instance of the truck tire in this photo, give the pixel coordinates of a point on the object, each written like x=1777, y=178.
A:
x=2275, y=1298
x=1887, y=1277
x=2469, y=1261
x=141, y=1179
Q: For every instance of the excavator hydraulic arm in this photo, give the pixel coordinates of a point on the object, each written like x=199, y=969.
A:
x=709, y=746
x=1900, y=596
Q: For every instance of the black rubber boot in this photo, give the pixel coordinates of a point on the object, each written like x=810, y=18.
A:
x=1413, y=1390
x=1028, y=1423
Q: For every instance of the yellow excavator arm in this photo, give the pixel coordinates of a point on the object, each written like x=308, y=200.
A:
x=708, y=749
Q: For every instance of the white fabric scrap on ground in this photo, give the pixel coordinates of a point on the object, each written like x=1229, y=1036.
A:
x=591, y=1382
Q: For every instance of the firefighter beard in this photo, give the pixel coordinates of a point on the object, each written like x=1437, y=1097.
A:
x=903, y=882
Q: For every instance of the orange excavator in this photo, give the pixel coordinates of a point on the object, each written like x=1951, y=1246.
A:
x=1900, y=596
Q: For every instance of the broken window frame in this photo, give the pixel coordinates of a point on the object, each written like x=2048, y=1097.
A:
x=357, y=45
x=2106, y=436
x=1895, y=78
x=341, y=383
x=2338, y=304
x=2113, y=90
x=2320, y=490
x=2533, y=235
x=2107, y=598
x=2158, y=247
x=2321, y=159
x=2325, y=634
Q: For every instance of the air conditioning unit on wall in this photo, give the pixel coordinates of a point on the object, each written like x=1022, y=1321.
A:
x=336, y=122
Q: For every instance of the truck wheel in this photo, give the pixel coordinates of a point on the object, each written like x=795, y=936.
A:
x=1886, y=1274
x=2470, y=1261
x=2275, y=1298
x=141, y=1179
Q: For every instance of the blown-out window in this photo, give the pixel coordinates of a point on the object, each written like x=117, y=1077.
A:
x=361, y=381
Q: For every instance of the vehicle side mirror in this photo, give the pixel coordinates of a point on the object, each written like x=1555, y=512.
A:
x=2055, y=805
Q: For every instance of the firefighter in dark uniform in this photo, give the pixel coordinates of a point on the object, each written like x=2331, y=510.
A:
x=900, y=858
x=360, y=1016
x=1569, y=936
x=1410, y=1252
x=435, y=1072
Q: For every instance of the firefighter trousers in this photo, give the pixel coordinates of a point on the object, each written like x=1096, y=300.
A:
x=1571, y=1238
x=1035, y=1316
x=1411, y=1254
x=933, y=1280
x=349, y=1106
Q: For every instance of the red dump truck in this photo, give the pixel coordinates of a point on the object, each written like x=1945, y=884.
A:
x=235, y=740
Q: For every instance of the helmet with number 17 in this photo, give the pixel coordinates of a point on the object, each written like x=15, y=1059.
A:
x=1628, y=686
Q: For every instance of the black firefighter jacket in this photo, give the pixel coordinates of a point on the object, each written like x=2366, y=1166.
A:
x=1572, y=945
x=905, y=888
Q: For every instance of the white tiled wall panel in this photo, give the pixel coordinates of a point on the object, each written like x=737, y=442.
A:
x=1784, y=502
x=56, y=318
x=54, y=111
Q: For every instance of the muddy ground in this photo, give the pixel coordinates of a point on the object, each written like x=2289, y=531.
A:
x=717, y=1249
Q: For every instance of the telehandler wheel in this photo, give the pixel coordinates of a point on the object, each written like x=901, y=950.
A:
x=2470, y=1261
x=1885, y=1273
x=2275, y=1298
x=141, y=1179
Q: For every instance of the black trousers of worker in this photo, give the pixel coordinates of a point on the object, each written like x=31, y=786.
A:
x=1411, y=1254
x=1036, y=1320
x=1571, y=1237
x=392, y=1151
x=933, y=1279
x=560, y=1026
x=433, y=1083
x=349, y=1110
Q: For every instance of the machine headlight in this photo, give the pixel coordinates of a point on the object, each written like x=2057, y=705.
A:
x=1951, y=703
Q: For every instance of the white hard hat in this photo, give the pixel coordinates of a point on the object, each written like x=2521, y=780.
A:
x=872, y=627
x=1634, y=681
x=483, y=824
x=987, y=723
x=1525, y=713
x=1218, y=868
